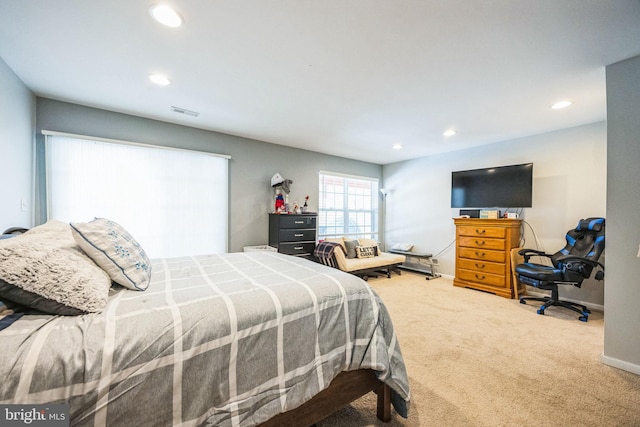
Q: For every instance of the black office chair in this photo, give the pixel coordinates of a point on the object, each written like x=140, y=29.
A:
x=571, y=265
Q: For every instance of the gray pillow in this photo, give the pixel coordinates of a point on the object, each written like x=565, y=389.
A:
x=44, y=269
x=351, y=247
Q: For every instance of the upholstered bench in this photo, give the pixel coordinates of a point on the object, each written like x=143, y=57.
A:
x=361, y=257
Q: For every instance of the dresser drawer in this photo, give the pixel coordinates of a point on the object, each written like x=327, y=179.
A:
x=481, y=231
x=482, y=243
x=297, y=248
x=294, y=235
x=479, y=277
x=297, y=221
x=482, y=254
x=481, y=266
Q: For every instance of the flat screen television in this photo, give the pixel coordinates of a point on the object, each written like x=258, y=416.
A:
x=499, y=187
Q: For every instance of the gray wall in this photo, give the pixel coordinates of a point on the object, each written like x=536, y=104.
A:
x=17, y=121
x=622, y=293
x=569, y=183
x=252, y=165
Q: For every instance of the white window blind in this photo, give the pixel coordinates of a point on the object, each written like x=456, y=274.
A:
x=348, y=206
x=174, y=202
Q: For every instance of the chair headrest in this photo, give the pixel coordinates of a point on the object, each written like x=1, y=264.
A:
x=594, y=224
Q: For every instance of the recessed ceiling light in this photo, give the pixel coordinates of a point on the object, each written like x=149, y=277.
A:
x=166, y=15
x=397, y=146
x=560, y=104
x=450, y=132
x=160, y=79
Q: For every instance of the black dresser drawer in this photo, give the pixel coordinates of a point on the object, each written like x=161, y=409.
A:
x=297, y=221
x=297, y=248
x=293, y=235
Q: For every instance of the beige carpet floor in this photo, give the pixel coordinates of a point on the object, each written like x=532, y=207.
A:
x=476, y=359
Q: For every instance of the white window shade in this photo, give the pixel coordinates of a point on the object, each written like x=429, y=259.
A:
x=174, y=202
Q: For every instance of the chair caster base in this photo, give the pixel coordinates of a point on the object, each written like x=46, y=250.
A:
x=554, y=301
x=585, y=315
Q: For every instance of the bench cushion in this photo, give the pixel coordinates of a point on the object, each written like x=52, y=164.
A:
x=354, y=264
x=382, y=260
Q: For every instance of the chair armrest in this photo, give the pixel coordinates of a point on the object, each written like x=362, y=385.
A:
x=528, y=253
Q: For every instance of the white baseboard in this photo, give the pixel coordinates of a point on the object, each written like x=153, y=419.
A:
x=620, y=364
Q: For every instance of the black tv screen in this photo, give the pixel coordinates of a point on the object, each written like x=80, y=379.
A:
x=499, y=187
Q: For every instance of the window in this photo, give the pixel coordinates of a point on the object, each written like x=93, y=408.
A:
x=348, y=206
x=174, y=202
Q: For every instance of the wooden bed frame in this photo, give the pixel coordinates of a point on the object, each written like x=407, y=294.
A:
x=344, y=389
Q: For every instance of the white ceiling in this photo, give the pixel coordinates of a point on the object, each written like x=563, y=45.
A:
x=343, y=77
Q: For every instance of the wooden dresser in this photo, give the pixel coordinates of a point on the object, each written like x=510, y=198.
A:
x=483, y=248
x=293, y=234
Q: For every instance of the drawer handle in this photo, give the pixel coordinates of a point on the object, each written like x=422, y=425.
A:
x=480, y=254
x=480, y=231
x=298, y=222
x=298, y=235
x=480, y=265
x=298, y=248
x=480, y=277
x=481, y=243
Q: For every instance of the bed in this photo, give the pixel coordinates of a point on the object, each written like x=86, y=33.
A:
x=239, y=339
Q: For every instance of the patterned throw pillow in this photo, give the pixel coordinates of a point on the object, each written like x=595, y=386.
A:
x=115, y=251
x=366, y=251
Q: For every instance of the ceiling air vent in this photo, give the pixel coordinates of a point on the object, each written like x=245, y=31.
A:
x=184, y=111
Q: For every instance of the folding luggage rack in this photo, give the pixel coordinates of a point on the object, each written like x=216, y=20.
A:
x=418, y=262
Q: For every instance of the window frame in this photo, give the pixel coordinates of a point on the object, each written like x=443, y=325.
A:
x=349, y=213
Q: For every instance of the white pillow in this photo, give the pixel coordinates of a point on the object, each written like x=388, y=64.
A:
x=402, y=247
x=115, y=251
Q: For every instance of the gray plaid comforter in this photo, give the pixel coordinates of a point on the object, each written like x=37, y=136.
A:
x=219, y=340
